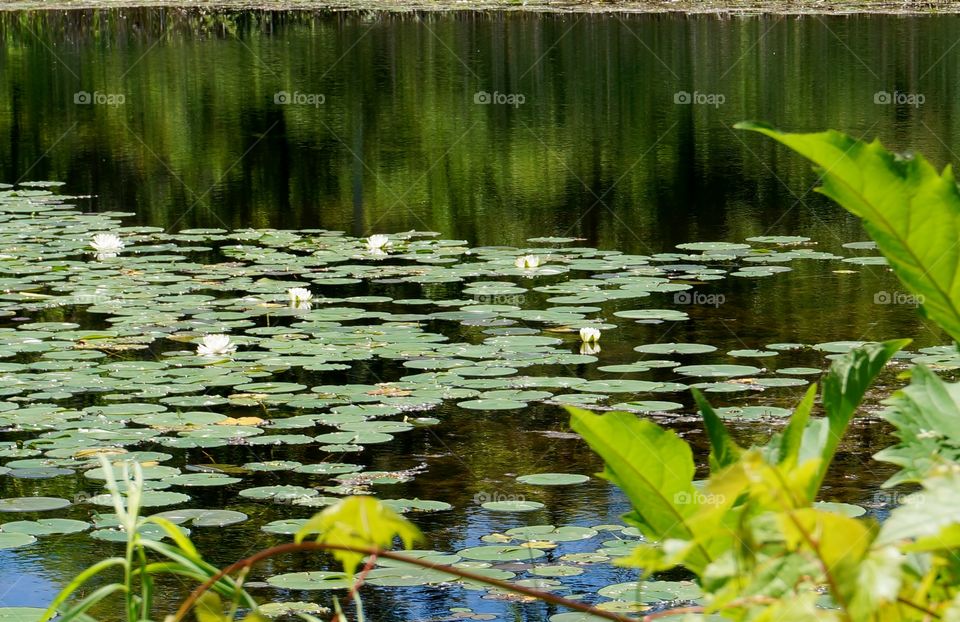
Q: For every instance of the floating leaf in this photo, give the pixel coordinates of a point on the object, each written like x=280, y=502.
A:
x=553, y=479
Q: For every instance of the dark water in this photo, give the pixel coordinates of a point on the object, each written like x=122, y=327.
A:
x=184, y=128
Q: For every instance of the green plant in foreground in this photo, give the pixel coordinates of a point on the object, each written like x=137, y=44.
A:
x=138, y=571
x=753, y=535
x=356, y=529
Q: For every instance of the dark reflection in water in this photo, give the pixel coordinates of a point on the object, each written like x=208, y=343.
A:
x=598, y=148
x=602, y=147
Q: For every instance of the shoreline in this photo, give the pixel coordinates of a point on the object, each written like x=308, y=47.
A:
x=694, y=7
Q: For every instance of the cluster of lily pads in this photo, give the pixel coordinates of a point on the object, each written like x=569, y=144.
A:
x=140, y=344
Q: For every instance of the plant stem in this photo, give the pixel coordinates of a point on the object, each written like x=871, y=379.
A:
x=292, y=547
x=354, y=593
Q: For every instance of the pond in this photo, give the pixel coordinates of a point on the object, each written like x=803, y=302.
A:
x=242, y=154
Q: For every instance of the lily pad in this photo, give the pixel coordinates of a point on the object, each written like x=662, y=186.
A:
x=15, y=540
x=501, y=553
x=314, y=580
x=513, y=506
x=553, y=479
x=32, y=504
x=676, y=348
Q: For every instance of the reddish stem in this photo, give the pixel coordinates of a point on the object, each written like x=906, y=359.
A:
x=293, y=547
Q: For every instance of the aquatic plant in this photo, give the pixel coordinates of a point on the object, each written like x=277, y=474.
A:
x=106, y=245
x=589, y=335
x=527, y=262
x=378, y=242
x=138, y=571
x=216, y=345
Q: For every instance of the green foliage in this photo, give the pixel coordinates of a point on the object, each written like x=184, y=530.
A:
x=355, y=522
x=927, y=417
x=772, y=550
x=911, y=211
x=754, y=525
x=210, y=608
x=136, y=585
x=843, y=389
x=359, y=522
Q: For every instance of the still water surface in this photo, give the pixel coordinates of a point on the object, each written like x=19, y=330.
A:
x=370, y=123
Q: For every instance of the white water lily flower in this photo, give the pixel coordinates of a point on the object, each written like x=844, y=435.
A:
x=377, y=242
x=216, y=345
x=299, y=295
x=106, y=244
x=589, y=335
x=527, y=262
x=589, y=348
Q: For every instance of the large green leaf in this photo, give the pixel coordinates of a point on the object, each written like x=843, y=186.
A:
x=911, y=211
x=653, y=466
x=724, y=450
x=927, y=417
x=785, y=447
x=843, y=388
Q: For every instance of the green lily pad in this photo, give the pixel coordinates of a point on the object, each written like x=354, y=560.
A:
x=313, y=580
x=15, y=540
x=717, y=371
x=653, y=591
x=20, y=614
x=292, y=608
x=491, y=404
x=552, y=534
x=204, y=518
x=501, y=553
x=675, y=348
x=512, y=506
x=148, y=499
x=553, y=479
x=45, y=526
x=32, y=504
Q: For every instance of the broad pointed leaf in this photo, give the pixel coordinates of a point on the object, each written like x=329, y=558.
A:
x=910, y=210
x=653, y=466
